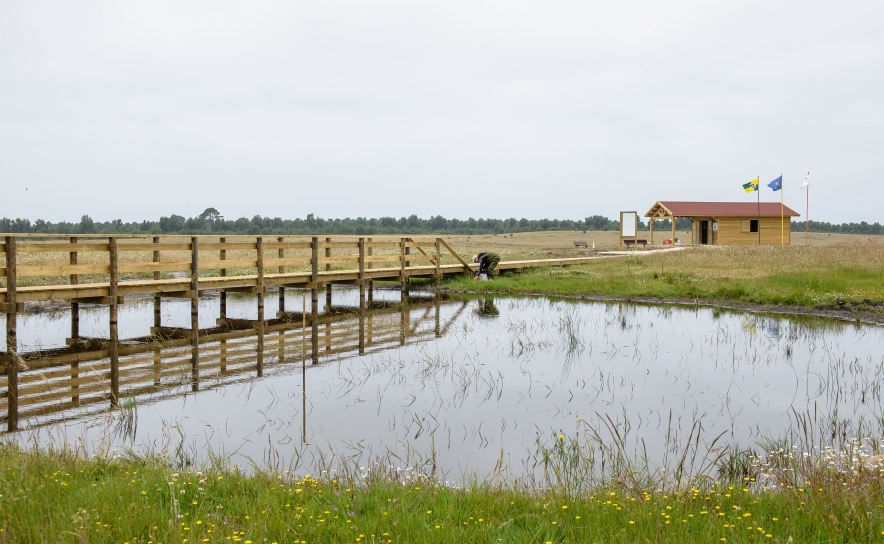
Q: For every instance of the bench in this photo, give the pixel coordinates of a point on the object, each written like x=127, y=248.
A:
x=578, y=243
x=643, y=243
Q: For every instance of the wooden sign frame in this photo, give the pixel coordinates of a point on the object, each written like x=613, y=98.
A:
x=624, y=232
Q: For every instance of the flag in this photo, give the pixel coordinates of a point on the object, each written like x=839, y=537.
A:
x=806, y=182
x=751, y=186
x=776, y=184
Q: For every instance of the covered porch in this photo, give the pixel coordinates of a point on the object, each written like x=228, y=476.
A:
x=659, y=211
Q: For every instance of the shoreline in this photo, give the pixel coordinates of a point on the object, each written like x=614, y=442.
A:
x=860, y=317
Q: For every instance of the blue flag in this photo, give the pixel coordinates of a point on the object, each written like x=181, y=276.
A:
x=776, y=184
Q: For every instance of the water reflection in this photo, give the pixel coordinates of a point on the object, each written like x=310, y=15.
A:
x=62, y=384
x=466, y=380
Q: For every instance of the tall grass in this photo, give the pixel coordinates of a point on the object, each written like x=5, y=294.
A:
x=589, y=488
x=836, y=275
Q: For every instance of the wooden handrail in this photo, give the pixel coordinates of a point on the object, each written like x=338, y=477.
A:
x=466, y=266
x=419, y=248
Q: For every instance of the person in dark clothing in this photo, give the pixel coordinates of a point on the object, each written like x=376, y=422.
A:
x=487, y=262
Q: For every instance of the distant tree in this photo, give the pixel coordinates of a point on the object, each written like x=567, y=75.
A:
x=211, y=215
x=87, y=225
x=173, y=223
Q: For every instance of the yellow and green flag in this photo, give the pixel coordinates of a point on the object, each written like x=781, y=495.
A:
x=751, y=186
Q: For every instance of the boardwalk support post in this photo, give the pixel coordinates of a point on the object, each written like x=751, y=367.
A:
x=157, y=301
x=328, y=286
x=114, y=332
x=438, y=262
x=402, y=278
x=75, y=307
x=370, y=266
x=314, y=298
x=11, y=337
x=194, y=314
x=75, y=327
x=259, y=246
x=223, y=273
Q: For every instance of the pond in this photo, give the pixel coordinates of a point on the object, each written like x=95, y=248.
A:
x=469, y=384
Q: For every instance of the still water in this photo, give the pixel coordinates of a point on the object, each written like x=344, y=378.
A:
x=466, y=381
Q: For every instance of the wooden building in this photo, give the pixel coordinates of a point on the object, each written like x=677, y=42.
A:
x=728, y=223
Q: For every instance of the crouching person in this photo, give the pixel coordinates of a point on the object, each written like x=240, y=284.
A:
x=487, y=261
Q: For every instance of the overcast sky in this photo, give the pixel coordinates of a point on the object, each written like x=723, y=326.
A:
x=134, y=110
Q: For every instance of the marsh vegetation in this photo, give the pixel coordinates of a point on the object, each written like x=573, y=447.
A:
x=521, y=406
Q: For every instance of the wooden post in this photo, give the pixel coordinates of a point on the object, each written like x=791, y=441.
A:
x=361, y=244
x=370, y=266
x=223, y=273
x=402, y=264
x=362, y=319
x=259, y=245
x=194, y=314
x=328, y=300
x=75, y=308
x=361, y=296
x=114, y=332
x=157, y=301
x=674, y=219
x=314, y=297
x=157, y=323
x=281, y=309
x=11, y=337
x=438, y=262
x=328, y=286
x=75, y=329
x=314, y=330
x=651, y=226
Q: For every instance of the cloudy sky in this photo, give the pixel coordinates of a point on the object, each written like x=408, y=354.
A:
x=134, y=110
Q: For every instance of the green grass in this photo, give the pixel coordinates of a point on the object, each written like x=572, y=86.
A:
x=60, y=497
x=798, y=276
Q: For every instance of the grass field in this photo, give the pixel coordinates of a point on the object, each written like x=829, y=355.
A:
x=840, y=274
x=61, y=497
x=839, y=270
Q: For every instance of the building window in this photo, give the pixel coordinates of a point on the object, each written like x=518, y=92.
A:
x=749, y=225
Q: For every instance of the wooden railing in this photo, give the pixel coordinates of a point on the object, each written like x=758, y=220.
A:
x=132, y=256
x=292, y=262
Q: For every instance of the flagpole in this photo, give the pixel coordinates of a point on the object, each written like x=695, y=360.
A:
x=806, y=209
x=758, y=190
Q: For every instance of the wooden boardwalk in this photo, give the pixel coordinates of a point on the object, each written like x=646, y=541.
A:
x=107, y=269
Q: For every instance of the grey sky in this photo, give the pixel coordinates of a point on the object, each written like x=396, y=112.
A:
x=134, y=110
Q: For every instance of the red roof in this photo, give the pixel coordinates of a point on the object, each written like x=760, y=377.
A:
x=715, y=209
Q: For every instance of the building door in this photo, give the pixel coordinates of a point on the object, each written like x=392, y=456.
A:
x=704, y=232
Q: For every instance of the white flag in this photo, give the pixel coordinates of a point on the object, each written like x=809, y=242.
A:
x=806, y=182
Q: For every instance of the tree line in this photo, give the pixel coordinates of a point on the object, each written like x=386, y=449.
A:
x=212, y=222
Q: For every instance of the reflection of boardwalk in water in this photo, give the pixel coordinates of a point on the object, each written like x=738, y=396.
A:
x=282, y=264
x=75, y=381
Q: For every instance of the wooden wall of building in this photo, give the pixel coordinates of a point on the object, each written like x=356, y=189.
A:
x=730, y=231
